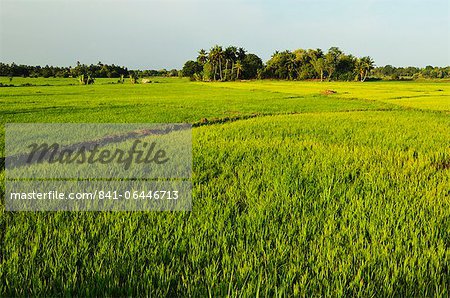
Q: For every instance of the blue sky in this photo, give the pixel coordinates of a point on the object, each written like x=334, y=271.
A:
x=164, y=34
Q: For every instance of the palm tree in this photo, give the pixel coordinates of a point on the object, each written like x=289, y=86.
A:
x=202, y=57
x=239, y=68
x=216, y=57
x=212, y=57
x=241, y=53
x=315, y=54
x=230, y=56
x=291, y=64
x=364, y=65
x=220, y=56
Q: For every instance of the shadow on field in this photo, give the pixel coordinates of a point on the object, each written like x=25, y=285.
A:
x=205, y=121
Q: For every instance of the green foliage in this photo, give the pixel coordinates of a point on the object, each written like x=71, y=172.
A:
x=311, y=64
x=207, y=72
x=238, y=67
x=319, y=65
x=98, y=70
x=363, y=66
x=202, y=57
x=191, y=68
x=390, y=72
x=301, y=64
x=277, y=66
x=332, y=59
x=220, y=64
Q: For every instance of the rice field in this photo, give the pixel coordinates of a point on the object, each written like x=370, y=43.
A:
x=298, y=191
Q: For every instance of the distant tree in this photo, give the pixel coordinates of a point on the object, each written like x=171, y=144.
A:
x=250, y=66
x=47, y=72
x=239, y=68
x=346, y=68
x=240, y=54
x=190, y=68
x=304, y=69
x=319, y=66
x=208, y=72
x=388, y=70
x=278, y=65
x=173, y=73
x=332, y=61
x=364, y=65
x=230, y=56
x=315, y=54
x=215, y=58
x=202, y=57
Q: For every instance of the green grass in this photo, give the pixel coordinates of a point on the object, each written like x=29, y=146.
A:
x=344, y=195
x=423, y=95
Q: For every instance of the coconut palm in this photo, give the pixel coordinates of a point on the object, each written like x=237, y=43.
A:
x=229, y=56
x=216, y=58
x=239, y=68
x=364, y=65
x=291, y=65
x=241, y=53
x=202, y=57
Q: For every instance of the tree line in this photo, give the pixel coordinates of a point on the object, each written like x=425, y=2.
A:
x=232, y=63
x=99, y=70
x=390, y=72
x=235, y=63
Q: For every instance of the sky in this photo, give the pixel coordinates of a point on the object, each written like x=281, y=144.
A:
x=158, y=34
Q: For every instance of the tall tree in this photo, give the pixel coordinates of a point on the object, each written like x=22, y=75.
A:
x=304, y=68
x=251, y=65
x=216, y=58
x=230, y=58
x=319, y=67
x=332, y=61
x=239, y=68
x=202, y=57
x=191, y=68
x=364, y=65
x=241, y=52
